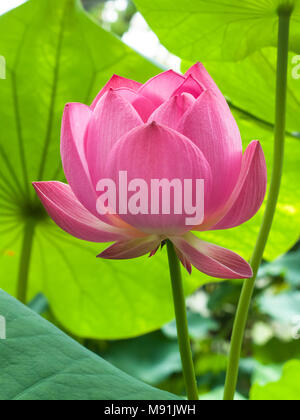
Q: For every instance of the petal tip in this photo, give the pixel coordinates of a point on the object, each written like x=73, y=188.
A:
x=258, y=145
x=248, y=274
x=38, y=186
x=100, y=256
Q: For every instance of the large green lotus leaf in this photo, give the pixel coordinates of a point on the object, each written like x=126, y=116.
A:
x=39, y=362
x=224, y=30
x=232, y=30
x=285, y=231
x=250, y=85
x=286, y=389
x=56, y=54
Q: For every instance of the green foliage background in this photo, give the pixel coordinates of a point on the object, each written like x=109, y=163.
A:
x=57, y=53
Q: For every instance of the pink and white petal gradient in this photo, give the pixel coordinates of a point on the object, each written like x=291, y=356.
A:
x=133, y=248
x=69, y=214
x=212, y=259
x=173, y=127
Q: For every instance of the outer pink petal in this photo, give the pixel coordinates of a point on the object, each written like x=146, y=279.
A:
x=190, y=85
x=184, y=261
x=211, y=126
x=199, y=72
x=75, y=121
x=114, y=83
x=212, y=259
x=67, y=212
x=250, y=190
x=113, y=117
x=131, y=249
x=160, y=88
x=157, y=152
x=171, y=111
x=143, y=105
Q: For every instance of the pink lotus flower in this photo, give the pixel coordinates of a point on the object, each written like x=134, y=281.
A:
x=172, y=127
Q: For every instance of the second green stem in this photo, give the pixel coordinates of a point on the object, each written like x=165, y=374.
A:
x=280, y=123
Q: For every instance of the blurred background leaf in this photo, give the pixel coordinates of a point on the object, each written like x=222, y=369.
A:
x=199, y=326
x=287, y=266
x=282, y=307
x=113, y=16
x=286, y=389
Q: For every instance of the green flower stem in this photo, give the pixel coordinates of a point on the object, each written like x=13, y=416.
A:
x=25, y=260
x=182, y=324
x=248, y=288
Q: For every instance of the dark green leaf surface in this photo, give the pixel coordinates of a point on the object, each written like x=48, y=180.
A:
x=39, y=362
